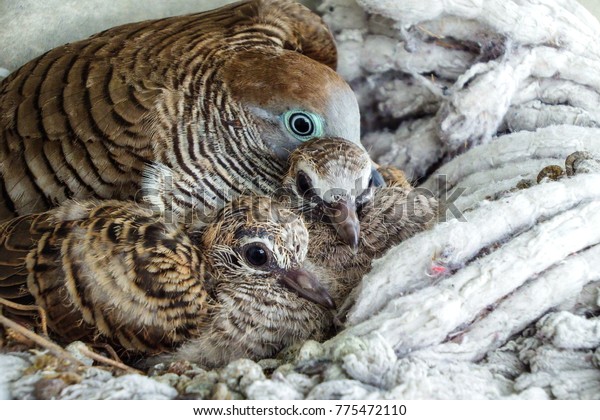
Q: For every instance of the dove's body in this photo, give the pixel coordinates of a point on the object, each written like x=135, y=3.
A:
x=210, y=95
x=105, y=271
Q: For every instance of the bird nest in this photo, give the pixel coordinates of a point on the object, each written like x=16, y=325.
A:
x=493, y=107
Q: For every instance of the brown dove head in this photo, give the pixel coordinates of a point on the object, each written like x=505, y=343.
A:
x=291, y=99
x=332, y=178
x=287, y=83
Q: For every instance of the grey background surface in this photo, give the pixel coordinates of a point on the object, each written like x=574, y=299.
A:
x=28, y=28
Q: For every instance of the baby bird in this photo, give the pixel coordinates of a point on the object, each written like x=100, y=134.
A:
x=111, y=271
x=222, y=97
x=394, y=215
x=330, y=182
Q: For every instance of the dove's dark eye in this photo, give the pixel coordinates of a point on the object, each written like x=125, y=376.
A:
x=256, y=255
x=303, y=125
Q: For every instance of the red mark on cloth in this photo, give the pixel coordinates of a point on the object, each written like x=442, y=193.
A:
x=438, y=270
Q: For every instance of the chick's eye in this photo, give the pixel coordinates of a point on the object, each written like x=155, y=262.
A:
x=303, y=184
x=256, y=255
x=303, y=125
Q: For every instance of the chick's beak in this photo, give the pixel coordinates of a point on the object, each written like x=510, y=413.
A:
x=344, y=219
x=306, y=285
x=378, y=180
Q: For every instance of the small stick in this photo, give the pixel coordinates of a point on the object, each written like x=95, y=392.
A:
x=102, y=359
x=58, y=351
x=110, y=350
x=19, y=307
x=53, y=348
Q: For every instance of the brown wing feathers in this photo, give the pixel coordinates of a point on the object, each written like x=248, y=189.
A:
x=106, y=269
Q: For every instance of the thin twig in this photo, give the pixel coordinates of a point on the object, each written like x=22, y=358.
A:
x=109, y=349
x=53, y=348
x=107, y=361
x=428, y=32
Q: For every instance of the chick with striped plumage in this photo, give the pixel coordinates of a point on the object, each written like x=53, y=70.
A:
x=222, y=97
x=112, y=272
x=350, y=222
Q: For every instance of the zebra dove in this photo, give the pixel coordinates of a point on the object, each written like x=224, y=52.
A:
x=222, y=97
x=330, y=181
x=110, y=271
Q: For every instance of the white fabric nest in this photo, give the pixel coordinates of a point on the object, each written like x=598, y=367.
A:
x=501, y=300
x=434, y=76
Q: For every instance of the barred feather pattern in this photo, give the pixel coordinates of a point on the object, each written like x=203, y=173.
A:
x=105, y=270
x=255, y=321
x=85, y=119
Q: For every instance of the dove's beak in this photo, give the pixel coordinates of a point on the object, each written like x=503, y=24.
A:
x=306, y=285
x=344, y=219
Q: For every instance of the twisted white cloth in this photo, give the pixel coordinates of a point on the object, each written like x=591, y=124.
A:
x=502, y=301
